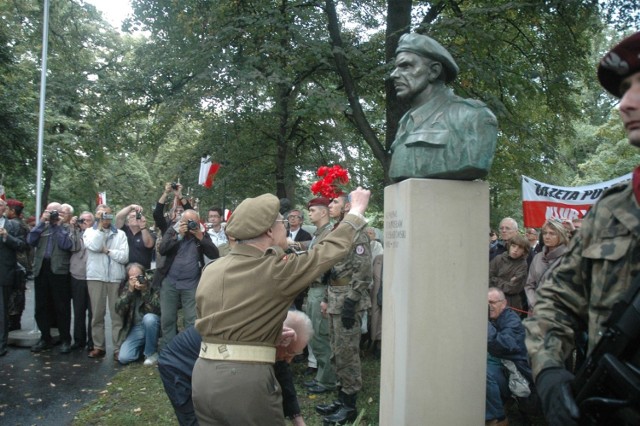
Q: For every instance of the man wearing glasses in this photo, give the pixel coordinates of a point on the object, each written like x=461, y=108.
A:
x=296, y=233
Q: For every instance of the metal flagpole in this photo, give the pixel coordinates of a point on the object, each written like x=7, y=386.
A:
x=43, y=89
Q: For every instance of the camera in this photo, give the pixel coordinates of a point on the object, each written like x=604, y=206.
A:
x=54, y=215
x=141, y=279
x=81, y=221
x=192, y=225
x=138, y=215
x=209, y=225
x=174, y=186
x=107, y=216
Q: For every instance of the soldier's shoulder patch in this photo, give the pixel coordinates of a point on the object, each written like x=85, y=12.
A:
x=360, y=250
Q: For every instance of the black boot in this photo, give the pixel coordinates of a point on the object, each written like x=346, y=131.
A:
x=332, y=407
x=347, y=413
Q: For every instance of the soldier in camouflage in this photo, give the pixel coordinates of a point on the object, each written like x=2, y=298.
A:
x=346, y=301
x=601, y=261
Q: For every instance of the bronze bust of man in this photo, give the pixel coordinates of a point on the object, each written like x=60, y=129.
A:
x=442, y=136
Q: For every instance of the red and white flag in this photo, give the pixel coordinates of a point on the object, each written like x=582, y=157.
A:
x=101, y=198
x=208, y=171
x=542, y=201
x=2, y=193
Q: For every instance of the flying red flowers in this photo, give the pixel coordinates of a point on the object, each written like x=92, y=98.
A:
x=330, y=182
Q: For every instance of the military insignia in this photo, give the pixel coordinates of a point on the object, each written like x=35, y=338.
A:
x=360, y=249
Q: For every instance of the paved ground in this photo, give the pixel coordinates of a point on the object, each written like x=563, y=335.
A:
x=49, y=388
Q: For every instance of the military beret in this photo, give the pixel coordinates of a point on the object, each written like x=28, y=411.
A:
x=429, y=48
x=14, y=203
x=253, y=217
x=319, y=201
x=621, y=62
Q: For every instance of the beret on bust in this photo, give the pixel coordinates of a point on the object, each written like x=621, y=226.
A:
x=621, y=62
x=14, y=203
x=253, y=217
x=319, y=201
x=429, y=48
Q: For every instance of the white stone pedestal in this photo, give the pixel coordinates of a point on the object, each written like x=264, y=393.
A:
x=434, y=323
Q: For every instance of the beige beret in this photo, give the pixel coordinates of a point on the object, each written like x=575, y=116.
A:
x=253, y=217
x=429, y=48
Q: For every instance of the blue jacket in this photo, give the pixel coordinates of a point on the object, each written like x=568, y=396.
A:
x=505, y=339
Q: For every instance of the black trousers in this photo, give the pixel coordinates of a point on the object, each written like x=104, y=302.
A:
x=81, y=305
x=5, y=291
x=53, y=290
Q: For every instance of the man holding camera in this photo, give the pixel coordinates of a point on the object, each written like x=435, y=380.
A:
x=184, y=246
x=141, y=240
x=139, y=307
x=108, y=253
x=79, y=290
x=51, y=271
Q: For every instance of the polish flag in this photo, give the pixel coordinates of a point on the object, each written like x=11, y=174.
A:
x=2, y=193
x=208, y=171
x=101, y=198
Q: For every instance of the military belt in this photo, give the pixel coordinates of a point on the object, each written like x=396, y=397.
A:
x=227, y=352
x=339, y=282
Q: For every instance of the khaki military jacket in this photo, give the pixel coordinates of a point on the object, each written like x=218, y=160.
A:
x=351, y=277
x=592, y=276
x=243, y=297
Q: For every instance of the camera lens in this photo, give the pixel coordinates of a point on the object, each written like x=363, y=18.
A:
x=191, y=225
x=174, y=185
x=141, y=279
x=138, y=215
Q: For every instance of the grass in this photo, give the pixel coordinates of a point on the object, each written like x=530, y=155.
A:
x=136, y=396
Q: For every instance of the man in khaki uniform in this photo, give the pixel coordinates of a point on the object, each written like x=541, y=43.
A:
x=347, y=300
x=242, y=301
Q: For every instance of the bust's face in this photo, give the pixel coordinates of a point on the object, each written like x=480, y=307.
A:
x=411, y=75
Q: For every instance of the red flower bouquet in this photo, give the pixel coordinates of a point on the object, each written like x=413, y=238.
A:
x=331, y=181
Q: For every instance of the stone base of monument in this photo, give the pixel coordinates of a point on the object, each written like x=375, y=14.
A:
x=434, y=327
x=27, y=338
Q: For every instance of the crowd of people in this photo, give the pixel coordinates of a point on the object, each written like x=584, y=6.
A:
x=241, y=286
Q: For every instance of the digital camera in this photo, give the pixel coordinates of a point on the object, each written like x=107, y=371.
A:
x=192, y=225
x=138, y=215
x=174, y=186
x=107, y=216
x=141, y=279
x=54, y=215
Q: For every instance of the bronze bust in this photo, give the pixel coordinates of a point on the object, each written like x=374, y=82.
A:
x=442, y=136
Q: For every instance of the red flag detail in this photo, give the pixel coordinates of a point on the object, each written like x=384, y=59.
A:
x=211, y=174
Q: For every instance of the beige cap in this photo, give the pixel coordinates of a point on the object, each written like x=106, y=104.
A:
x=253, y=217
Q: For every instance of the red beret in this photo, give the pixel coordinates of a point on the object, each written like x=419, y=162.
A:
x=14, y=203
x=621, y=62
x=320, y=201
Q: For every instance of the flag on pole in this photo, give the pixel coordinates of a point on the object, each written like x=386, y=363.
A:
x=101, y=198
x=2, y=193
x=208, y=171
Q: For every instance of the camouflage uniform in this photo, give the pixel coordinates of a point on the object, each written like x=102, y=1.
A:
x=349, y=278
x=594, y=273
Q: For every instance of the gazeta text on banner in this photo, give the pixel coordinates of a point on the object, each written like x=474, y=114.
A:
x=543, y=201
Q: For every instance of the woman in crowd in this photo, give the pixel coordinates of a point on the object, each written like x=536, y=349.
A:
x=555, y=238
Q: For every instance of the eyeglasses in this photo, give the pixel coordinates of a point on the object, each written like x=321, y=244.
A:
x=532, y=233
x=495, y=302
x=285, y=222
x=293, y=216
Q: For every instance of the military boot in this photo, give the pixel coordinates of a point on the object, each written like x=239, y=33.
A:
x=346, y=413
x=332, y=407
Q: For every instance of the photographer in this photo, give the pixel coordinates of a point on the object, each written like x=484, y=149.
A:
x=184, y=246
x=141, y=240
x=108, y=253
x=52, y=284
x=139, y=307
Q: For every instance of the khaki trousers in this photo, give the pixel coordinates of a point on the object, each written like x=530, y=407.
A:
x=236, y=393
x=101, y=292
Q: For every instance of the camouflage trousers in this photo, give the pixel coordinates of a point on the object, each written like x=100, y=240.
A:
x=345, y=346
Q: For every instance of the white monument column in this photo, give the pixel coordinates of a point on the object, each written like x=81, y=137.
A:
x=434, y=314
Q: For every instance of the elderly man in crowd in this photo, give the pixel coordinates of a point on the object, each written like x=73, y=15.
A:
x=52, y=285
x=184, y=246
x=508, y=229
x=141, y=241
x=11, y=242
x=108, y=253
x=505, y=341
x=599, y=270
x=242, y=301
x=79, y=291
